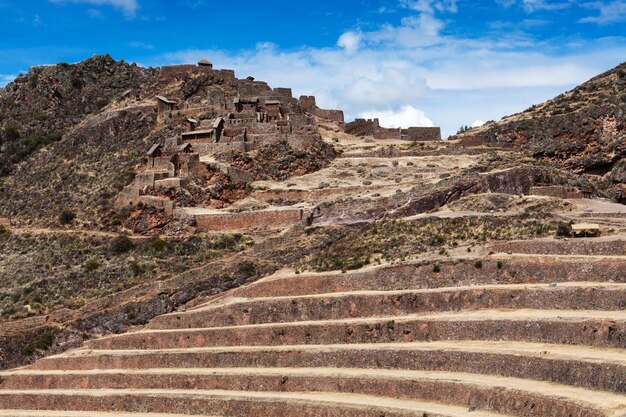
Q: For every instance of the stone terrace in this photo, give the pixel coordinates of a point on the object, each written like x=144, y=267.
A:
x=531, y=335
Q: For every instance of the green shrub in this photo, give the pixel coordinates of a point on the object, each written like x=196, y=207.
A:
x=437, y=240
x=436, y=268
x=76, y=82
x=101, y=103
x=478, y=264
x=136, y=269
x=11, y=132
x=157, y=245
x=247, y=268
x=67, y=216
x=4, y=231
x=45, y=340
x=122, y=244
x=499, y=265
x=563, y=230
x=92, y=264
x=131, y=314
x=463, y=129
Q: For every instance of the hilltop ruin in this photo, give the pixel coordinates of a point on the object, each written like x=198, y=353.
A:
x=220, y=116
x=371, y=127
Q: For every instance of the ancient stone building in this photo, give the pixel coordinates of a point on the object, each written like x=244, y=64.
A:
x=217, y=115
x=371, y=127
x=309, y=104
x=165, y=105
x=205, y=63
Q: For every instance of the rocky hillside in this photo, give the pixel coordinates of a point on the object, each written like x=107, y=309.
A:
x=40, y=107
x=72, y=136
x=583, y=129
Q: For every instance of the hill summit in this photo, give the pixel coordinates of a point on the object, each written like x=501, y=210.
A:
x=583, y=129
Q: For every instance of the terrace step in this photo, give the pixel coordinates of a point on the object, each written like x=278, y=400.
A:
x=573, y=365
x=341, y=305
x=232, y=403
x=485, y=392
x=44, y=413
x=417, y=276
x=580, y=327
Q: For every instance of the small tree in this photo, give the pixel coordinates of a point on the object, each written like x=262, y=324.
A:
x=11, y=132
x=122, y=244
x=247, y=269
x=563, y=230
x=67, y=216
x=462, y=129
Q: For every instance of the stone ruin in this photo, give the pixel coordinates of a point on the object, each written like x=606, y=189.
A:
x=371, y=127
x=219, y=115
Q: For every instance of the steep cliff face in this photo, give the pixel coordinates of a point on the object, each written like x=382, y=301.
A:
x=583, y=129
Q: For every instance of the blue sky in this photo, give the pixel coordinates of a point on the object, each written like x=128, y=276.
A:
x=441, y=62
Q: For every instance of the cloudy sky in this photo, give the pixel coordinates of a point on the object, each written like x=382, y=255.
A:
x=410, y=62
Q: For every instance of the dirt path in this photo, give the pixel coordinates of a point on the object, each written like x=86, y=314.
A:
x=37, y=230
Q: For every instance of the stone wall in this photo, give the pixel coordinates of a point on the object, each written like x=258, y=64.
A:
x=385, y=133
x=158, y=202
x=310, y=196
x=309, y=104
x=559, y=192
x=565, y=247
x=267, y=219
x=362, y=127
x=333, y=115
x=422, y=133
x=253, y=88
x=168, y=183
x=285, y=95
x=471, y=141
x=371, y=127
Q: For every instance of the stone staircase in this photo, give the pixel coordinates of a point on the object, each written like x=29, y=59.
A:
x=541, y=337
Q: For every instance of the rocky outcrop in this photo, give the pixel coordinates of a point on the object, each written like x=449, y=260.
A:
x=583, y=129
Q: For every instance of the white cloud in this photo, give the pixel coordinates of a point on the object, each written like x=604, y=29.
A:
x=6, y=78
x=141, y=45
x=129, y=7
x=537, y=5
x=95, y=13
x=388, y=86
x=609, y=12
x=478, y=123
x=350, y=41
x=429, y=6
x=406, y=116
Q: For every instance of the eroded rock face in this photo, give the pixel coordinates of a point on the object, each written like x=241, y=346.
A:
x=618, y=173
x=589, y=140
x=282, y=160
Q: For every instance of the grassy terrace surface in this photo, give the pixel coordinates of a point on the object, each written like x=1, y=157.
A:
x=40, y=273
x=397, y=240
